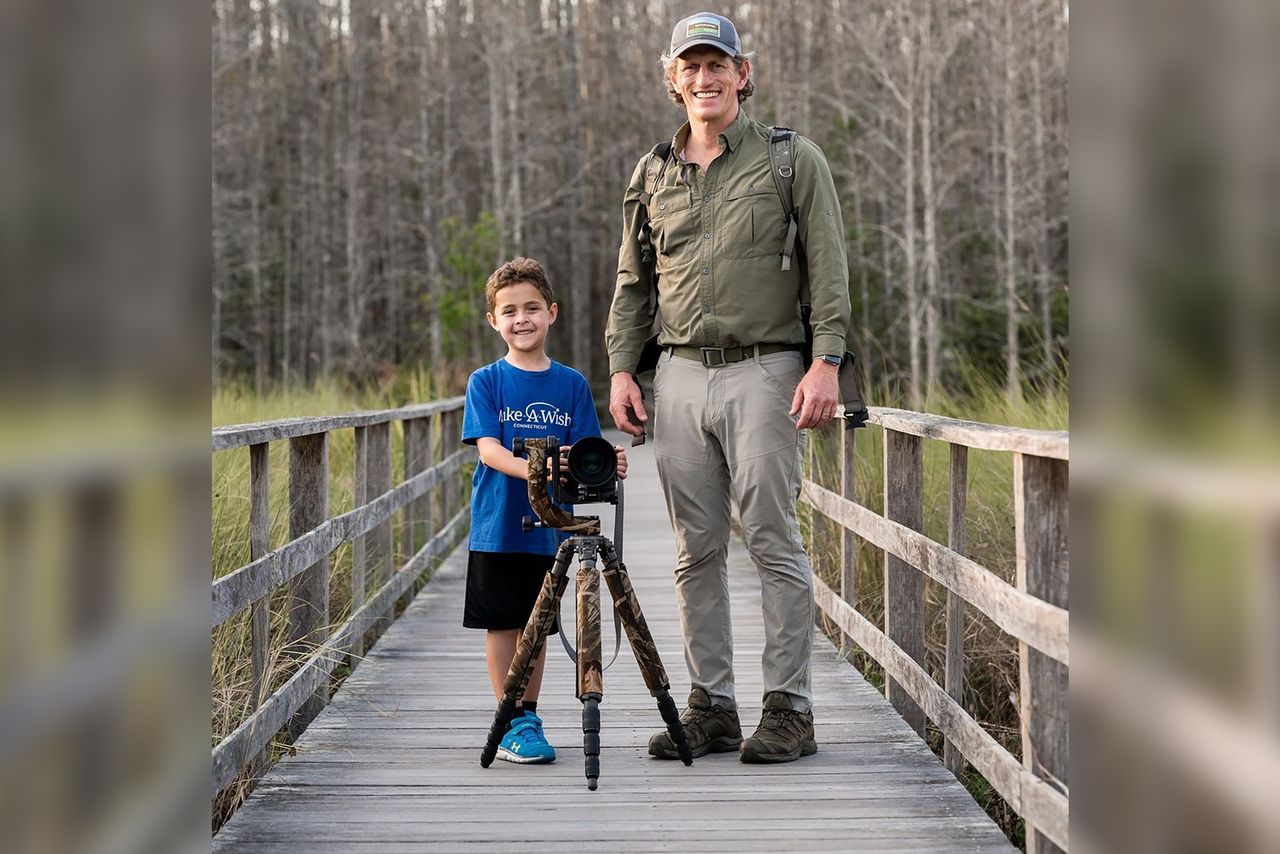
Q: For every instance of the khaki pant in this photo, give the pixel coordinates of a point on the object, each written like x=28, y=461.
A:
x=723, y=428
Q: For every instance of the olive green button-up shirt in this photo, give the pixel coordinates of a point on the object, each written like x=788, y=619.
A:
x=718, y=236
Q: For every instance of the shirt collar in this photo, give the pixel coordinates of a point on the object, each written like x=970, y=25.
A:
x=730, y=136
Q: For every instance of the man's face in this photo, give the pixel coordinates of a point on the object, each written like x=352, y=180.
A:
x=522, y=317
x=708, y=82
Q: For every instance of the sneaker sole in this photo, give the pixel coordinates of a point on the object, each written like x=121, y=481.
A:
x=807, y=749
x=508, y=756
x=724, y=744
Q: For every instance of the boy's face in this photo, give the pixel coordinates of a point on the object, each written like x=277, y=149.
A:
x=522, y=317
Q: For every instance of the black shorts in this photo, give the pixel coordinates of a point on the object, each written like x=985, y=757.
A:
x=502, y=588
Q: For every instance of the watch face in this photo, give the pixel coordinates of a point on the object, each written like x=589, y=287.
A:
x=832, y=360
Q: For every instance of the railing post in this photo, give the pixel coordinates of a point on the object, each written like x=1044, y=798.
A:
x=415, y=535
x=359, y=495
x=904, y=584
x=260, y=611
x=451, y=432
x=848, y=545
x=955, y=605
x=1040, y=522
x=378, y=546
x=309, y=593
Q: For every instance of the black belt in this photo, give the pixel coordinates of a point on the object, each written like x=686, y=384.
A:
x=714, y=357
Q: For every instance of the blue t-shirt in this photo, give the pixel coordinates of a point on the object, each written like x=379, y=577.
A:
x=504, y=402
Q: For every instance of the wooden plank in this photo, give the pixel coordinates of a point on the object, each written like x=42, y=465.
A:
x=237, y=435
x=1047, y=807
x=1025, y=617
x=451, y=433
x=1040, y=525
x=260, y=613
x=973, y=434
x=848, y=544
x=308, y=611
x=904, y=606
x=954, y=665
x=235, y=591
x=378, y=545
x=256, y=731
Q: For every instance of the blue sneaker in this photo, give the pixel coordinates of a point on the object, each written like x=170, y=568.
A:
x=524, y=742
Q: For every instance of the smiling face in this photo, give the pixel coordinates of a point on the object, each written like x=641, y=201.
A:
x=708, y=83
x=522, y=317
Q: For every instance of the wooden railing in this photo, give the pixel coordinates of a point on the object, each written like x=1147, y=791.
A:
x=1034, y=611
x=430, y=432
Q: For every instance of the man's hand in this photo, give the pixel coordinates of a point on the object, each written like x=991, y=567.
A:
x=625, y=404
x=817, y=395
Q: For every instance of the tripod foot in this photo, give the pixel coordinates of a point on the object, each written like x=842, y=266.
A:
x=667, y=707
x=501, y=719
x=591, y=738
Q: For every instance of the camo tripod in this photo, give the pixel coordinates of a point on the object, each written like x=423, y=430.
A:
x=589, y=549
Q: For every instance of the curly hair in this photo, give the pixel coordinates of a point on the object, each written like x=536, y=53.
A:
x=669, y=65
x=513, y=272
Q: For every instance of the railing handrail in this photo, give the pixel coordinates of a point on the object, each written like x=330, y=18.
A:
x=238, y=435
x=1052, y=444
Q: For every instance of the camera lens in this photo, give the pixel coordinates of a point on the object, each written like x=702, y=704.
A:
x=592, y=462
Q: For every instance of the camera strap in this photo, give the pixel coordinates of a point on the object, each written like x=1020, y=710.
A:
x=573, y=653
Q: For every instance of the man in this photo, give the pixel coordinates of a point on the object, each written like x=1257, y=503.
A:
x=731, y=395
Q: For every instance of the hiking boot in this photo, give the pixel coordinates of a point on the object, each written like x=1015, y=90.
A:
x=784, y=735
x=710, y=729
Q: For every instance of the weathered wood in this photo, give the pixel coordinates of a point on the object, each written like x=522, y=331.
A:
x=450, y=436
x=1026, y=794
x=415, y=460
x=1040, y=523
x=235, y=591
x=378, y=542
x=308, y=614
x=1023, y=616
x=953, y=759
x=260, y=613
x=237, y=435
x=256, y=731
x=904, y=606
x=848, y=545
x=360, y=497
x=973, y=434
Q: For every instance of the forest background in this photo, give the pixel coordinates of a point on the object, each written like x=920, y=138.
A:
x=375, y=160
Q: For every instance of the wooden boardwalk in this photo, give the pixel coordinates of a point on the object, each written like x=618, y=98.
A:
x=392, y=764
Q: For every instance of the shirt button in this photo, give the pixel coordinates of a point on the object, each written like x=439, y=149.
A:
x=706, y=198
x=706, y=271
x=662, y=207
x=706, y=235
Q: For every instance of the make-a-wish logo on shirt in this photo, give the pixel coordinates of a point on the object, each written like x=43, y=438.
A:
x=537, y=414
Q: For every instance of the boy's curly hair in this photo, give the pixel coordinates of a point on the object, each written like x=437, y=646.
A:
x=513, y=272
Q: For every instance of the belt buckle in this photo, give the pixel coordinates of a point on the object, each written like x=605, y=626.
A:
x=706, y=357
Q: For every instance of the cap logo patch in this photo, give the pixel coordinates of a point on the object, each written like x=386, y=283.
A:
x=698, y=29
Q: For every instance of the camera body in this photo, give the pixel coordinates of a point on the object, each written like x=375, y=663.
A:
x=588, y=476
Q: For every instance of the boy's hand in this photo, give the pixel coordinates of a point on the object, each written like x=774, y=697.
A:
x=625, y=403
x=622, y=462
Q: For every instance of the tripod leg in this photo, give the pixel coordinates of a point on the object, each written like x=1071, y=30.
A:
x=527, y=649
x=645, y=650
x=590, y=667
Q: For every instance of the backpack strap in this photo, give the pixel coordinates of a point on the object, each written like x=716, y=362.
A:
x=652, y=179
x=782, y=166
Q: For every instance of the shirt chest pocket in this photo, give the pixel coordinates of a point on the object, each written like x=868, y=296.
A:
x=752, y=224
x=671, y=219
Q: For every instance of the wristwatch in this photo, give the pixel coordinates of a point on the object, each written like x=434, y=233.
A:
x=833, y=360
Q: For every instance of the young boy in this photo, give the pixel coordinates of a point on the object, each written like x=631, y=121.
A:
x=522, y=394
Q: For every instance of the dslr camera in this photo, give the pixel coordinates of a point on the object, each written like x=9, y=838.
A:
x=588, y=474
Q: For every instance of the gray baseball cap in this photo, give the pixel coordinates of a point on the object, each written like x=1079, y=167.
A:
x=705, y=28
